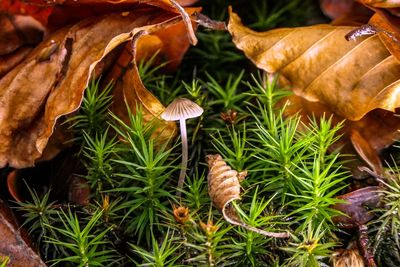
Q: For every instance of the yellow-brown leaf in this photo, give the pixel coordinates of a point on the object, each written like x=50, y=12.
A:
x=350, y=78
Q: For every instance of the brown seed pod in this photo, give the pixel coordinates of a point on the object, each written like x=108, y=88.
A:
x=224, y=187
x=181, y=214
x=209, y=228
x=349, y=257
x=229, y=116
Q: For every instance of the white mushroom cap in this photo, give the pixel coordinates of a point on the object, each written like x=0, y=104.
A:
x=181, y=108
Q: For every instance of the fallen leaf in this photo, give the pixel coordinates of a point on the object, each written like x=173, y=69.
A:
x=366, y=152
x=13, y=243
x=381, y=3
x=7, y=62
x=224, y=187
x=336, y=8
x=349, y=78
x=357, y=81
x=345, y=12
x=42, y=88
x=59, y=13
x=17, y=31
x=358, y=206
x=130, y=91
x=388, y=27
x=13, y=185
x=385, y=22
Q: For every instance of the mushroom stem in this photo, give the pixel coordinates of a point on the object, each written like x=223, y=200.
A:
x=182, y=174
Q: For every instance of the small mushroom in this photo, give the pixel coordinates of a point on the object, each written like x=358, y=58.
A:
x=179, y=110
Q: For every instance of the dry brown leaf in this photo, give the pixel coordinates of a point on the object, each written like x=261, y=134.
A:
x=349, y=78
x=358, y=206
x=130, y=91
x=59, y=13
x=224, y=187
x=388, y=28
x=7, y=62
x=366, y=152
x=381, y=3
x=336, y=8
x=16, y=31
x=13, y=243
x=345, y=12
x=357, y=81
x=50, y=82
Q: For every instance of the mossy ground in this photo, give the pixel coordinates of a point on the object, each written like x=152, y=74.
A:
x=130, y=219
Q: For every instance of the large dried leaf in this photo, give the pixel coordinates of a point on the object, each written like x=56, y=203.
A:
x=51, y=81
x=350, y=78
x=13, y=243
x=330, y=76
x=63, y=12
x=224, y=187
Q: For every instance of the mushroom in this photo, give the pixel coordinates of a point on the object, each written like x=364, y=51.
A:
x=182, y=109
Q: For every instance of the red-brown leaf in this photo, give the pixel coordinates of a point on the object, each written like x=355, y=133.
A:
x=358, y=206
x=50, y=82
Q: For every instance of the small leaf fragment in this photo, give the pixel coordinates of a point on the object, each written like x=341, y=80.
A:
x=360, y=202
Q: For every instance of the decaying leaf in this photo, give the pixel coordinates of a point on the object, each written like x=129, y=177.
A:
x=17, y=31
x=356, y=80
x=385, y=22
x=50, y=82
x=129, y=90
x=349, y=78
x=7, y=62
x=388, y=28
x=381, y=3
x=366, y=152
x=345, y=12
x=336, y=8
x=13, y=244
x=59, y=13
x=358, y=206
x=224, y=187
